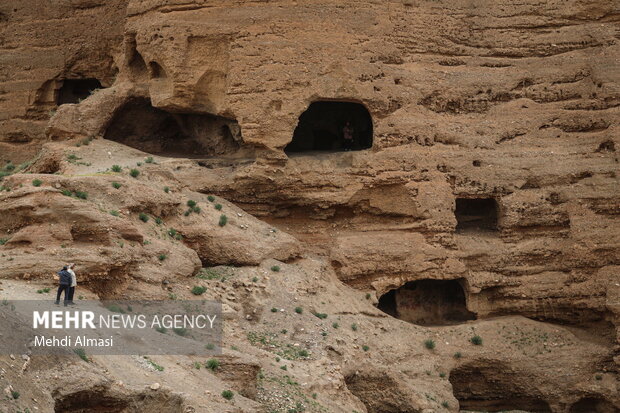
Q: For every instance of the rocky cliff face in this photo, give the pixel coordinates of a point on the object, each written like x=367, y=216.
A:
x=482, y=181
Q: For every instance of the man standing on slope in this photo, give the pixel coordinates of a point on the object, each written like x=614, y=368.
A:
x=64, y=284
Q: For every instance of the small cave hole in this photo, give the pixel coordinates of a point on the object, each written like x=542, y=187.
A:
x=428, y=302
x=607, y=146
x=141, y=126
x=332, y=126
x=76, y=90
x=476, y=214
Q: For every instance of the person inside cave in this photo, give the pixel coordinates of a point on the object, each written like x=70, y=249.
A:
x=347, y=135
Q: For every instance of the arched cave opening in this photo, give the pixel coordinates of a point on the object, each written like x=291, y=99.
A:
x=476, y=214
x=90, y=400
x=492, y=387
x=141, y=126
x=156, y=71
x=323, y=126
x=76, y=90
x=428, y=302
x=592, y=405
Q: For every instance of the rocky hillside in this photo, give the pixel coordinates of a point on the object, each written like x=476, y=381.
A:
x=460, y=253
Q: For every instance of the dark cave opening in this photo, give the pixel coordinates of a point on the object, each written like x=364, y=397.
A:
x=323, y=126
x=592, y=405
x=141, y=126
x=156, y=71
x=428, y=302
x=91, y=400
x=493, y=388
x=76, y=90
x=476, y=214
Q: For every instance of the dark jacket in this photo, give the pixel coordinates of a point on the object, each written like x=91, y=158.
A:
x=64, y=277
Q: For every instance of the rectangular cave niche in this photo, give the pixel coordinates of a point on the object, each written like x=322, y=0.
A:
x=476, y=214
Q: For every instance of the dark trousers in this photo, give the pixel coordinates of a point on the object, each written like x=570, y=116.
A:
x=66, y=289
x=71, y=292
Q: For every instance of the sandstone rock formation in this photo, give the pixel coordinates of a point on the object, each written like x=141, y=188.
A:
x=481, y=197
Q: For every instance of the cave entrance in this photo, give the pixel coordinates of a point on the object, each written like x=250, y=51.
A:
x=492, y=388
x=476, y=214
x=428, y=302
x=76, y=90
x=322, y=128
x=592, y=405
x=141, y=126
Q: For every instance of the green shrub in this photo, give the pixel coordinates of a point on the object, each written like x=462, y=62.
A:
x=191, y=203
x=159, y=221
x=445, y=404
x=114, y=213
x=172, y=232
x=211, y=198
x=223, y=220
x=299, y=310
x=210, y=346
x=274, y=310
x=199, y=290
x=116, y=185
x=476, y=340
x=227, y=394
x=166, y=189
x=365, y=347
x=458, y=355
x=161, y=330
x=197, y=365
x=15, y=394
x=149, y=159
x=303, y=353
x=162, y=257
x=322, y=316
x=429, y=344
x=116, y=168
x=284, y=367
x=66, y=192
x=155, y=365
x=354, y=327
x=36, y=182
x=134, y=173
x=9, y=167
x=598, y=377
x=335, y=325
x=212, y=364
x=186, y=213
x=72, y=157
x=180, y=331
x=275, y=268
x=442, y=375
x=368, y=296
x=81, y=194
x=3, y=241
x=218, y=207
x=143, y=217
x=196, y=209
x=82, y=354
x=255, y=279
x=139, y=164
